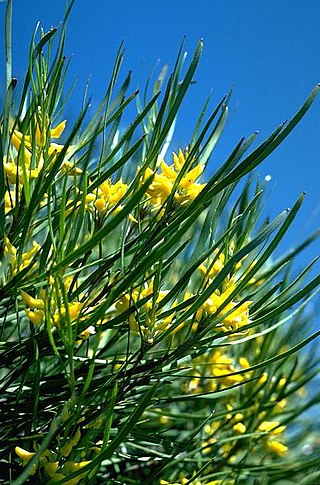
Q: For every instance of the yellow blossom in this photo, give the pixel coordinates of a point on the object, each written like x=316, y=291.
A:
x=239, y=428
x=274, y=431
x=31, y=252
x=151, y=324
x=243, y=361
x=271, y=426
x=277, y=448
x=13, y=173
x=232, y=321
x=213, y=268
x=40, y=136
x=9, y=250
x=24, y=454
x=222, y=365
x=32, y=302
x=36, y=317
x=70, y=169
x=72, y=466
x=85, y=334
x=37, y=141
x=9, y=200
x=163, y=182
x=110, y=194
x=263, y=378
x=74, y=310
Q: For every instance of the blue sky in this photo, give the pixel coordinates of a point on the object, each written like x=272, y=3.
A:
x=269, y=49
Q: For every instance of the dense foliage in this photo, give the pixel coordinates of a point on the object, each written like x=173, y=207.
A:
x=148, y=333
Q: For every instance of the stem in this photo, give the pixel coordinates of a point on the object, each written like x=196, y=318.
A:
x=8, y=43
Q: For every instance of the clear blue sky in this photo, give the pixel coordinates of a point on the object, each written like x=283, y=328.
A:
x=269, y=49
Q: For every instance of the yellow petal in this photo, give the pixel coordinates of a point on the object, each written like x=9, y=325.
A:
x=240, y=428
x=168, y=171
x=56, y=132
x=277, y=447
x=267, y=426
x=36, y=317
x=182, y=158
x=23, y=454
x=100, y=204
x=105, y=187
x=176, y=162
x=32, y=302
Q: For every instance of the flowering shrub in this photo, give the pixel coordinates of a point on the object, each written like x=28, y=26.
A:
x=149, y=333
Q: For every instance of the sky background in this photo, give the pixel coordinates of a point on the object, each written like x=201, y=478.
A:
x=270, y=50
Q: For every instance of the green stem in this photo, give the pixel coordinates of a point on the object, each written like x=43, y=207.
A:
x=8, y=43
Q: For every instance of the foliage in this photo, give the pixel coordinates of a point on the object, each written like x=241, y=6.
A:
x=148, y=333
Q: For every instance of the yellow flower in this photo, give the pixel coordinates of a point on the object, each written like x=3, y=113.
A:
x=232, y=321
x=277, y=448
x=74, y=310
x=280, y=406
x=68, y=468
x=271, y=426
x=240, y=428
x=213, y=268
x=163, y=182
x=70, y=169
x=151, y=324
x=9, y=250
x=24, y=454
x=12, y=172
x=40, y=140
x=72, y=466
x=274, y=430
x=40, y=136
x=85, y=334
x=222, y=365
x=36, y=317
x=9, y=200
x=109, y=195
x=263, y=378
x=32, y=302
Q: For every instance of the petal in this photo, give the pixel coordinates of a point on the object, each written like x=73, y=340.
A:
x=56, y=132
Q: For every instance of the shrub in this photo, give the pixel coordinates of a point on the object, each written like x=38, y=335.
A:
x=149, y=333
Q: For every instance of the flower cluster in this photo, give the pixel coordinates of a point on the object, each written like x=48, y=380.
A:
x=149, y=324
x=59, y=313
x=16, y=262
x=216, y=371
x=177, y=178
x=30, y=152
x=55, y=464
